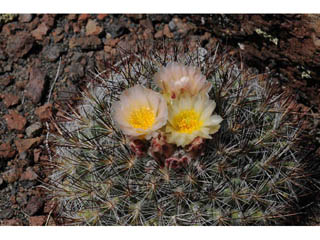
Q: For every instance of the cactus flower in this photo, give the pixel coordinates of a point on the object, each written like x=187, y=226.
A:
x=190, y=117
x=140, y=112
x=176, y=79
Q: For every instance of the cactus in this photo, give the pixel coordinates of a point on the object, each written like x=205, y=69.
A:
x=250, y=173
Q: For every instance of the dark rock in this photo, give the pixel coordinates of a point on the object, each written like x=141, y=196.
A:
x=35, y=87
x=160, y=18
x=22, y=199
x=33, y=129
x=116, y=29
x=52, y=53
x=15, y=121
x=25, y=18
x=34, y=205
x=172, y=26
x=19, y=45
x=76, y=71
x=2, y=55
x=6, y=213
x=86, y=43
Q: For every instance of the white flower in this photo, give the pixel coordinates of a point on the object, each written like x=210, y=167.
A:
x=140, y=112
x=190, y=117
x=176, y=79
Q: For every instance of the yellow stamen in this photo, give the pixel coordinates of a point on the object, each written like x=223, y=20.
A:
x=142, y=118
x=187, y=121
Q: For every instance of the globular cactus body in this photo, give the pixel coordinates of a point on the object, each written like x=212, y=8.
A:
x=249, y=173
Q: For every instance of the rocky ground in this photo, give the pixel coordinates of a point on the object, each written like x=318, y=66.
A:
x=64, y=51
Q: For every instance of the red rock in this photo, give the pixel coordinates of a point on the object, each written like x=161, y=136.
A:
x=57, y=34
x=6, y=81
x=36, y=155
x=49, y=206
x=75, y=27
x=12, y=175
x=10, y=99
x=44, y=112
x=167, y=32
x=34, y=205
x=48, y=20
x=29, y=175
x=40, y=31
x=19, y=44
x=35, y=86
x=102, y=16
x=15, y=121
x=51, y=222
x=72, y=16
x=25, y=144
x=6, y=151
x=147, y=34
x=12, y=222
x=112, y=42
x=86, y=43
x=37, y=220
x=83, y=17
x=92, y=28
x=159, y=34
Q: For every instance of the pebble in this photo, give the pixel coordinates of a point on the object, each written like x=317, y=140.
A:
x=6, y=213
x=19, y=45
x=25, y=18
x=34, y=205
x=35, y=86
x=44, y=112
x=37, y=220
x=92, y=28
x=15, y=121
x=6, y=151
x=25, y=144
x=33, y=129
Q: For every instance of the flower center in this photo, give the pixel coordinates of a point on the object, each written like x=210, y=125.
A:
x=142, y=118
x=187, y=121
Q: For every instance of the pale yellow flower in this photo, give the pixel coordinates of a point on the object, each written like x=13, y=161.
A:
x=176, y=79
x=140, y=112
x=190, y=117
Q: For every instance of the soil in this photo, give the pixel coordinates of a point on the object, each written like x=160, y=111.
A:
x=65, y=50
